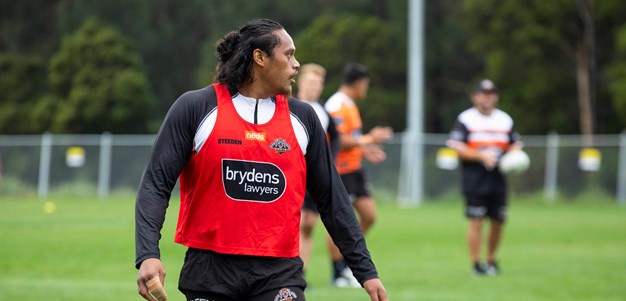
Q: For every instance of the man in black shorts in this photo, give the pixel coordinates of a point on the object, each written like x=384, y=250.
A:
x=354, y=146
x=480, y=136
x=244, y=153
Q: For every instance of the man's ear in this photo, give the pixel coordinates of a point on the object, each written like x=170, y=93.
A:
x=259, y=57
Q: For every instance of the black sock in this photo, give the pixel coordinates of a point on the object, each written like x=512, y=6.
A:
x=338, y=267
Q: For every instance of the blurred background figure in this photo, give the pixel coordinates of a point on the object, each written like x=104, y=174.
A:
x=354, y=147
x=481, y=135
x=310, y=86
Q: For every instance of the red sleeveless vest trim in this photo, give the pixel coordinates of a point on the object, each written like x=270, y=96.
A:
x=242, y=192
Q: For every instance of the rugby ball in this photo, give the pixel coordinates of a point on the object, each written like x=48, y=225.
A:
x=514, y=162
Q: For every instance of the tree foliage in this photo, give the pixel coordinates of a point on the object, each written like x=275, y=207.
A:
x=528, y=47
x=295, y=15
x=532, y=50
x=97, y=84
x=616, y=75
x=22, y=81
x=451, y=68
x=168, y=34
x=28, y=27
x=334, y=41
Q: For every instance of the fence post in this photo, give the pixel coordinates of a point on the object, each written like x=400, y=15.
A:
x=104, y=168
x=551, y=167
x=410, y=192
x=621, y=171
x=411, y=181
x=44, y=165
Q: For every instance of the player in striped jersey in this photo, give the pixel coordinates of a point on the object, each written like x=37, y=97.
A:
x=481, y=135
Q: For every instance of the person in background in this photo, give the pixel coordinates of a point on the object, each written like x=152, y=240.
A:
x=245, y=153
x=481, y=135
x=354, y=146
x=310, y=85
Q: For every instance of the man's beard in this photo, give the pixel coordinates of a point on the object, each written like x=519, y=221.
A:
x=286, y=91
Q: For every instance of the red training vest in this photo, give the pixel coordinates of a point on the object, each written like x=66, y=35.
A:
x=242, y=192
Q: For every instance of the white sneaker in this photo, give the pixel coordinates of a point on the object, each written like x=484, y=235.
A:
x=492, y=269
x=341, y=282
x=346, y=280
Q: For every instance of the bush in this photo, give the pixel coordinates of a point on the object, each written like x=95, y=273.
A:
x=13, y=187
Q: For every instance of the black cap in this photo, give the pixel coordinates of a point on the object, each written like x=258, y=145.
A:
x=485, y=85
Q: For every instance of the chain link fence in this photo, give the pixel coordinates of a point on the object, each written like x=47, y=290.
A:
x=101, y=165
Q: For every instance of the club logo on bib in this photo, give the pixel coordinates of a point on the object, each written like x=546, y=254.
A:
x=280, y=145
x=252, y=181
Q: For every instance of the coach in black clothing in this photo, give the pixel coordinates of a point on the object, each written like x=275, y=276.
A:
x=480, y=136
x=245, y=154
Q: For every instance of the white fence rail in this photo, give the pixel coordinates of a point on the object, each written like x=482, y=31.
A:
x=39, y=164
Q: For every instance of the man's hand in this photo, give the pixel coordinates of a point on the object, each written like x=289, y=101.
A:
x=374, y=287
x=149, y=269
x=374, y=153
x=381, y=134
x=488, y=158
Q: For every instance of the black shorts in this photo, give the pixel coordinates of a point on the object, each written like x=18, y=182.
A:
x=207, y=275
x=309, y=204
x=486, y=205
x=356, y=184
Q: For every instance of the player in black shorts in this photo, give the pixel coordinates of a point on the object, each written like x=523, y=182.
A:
x=480, y=136
x=356, y=185
x=355, y=145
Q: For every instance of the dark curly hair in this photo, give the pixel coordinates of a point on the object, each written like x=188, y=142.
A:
x=234, y=50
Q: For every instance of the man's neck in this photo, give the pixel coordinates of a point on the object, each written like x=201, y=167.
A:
x=253, y=91
x=348, y=91
x=485, y=112
x=304, y=98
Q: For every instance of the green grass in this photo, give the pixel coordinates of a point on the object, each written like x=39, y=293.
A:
x=562, y=251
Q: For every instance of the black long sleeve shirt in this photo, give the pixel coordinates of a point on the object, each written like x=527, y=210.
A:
x=179, y=136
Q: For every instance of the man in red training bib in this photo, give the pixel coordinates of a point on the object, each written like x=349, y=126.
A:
x=245, y=154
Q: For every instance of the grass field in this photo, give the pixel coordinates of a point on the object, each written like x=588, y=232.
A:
x=84, y=250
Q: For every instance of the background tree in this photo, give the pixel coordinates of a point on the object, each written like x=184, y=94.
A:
x=617, y=71
x=28, y=27
x=614, y=74
x=529, y=48
x=229, y=15
x=22, y=81
x=451, y=67
x=96, y=84
x=539, y=52
x=335, y=41
x=168, y=34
